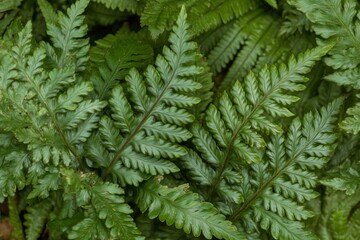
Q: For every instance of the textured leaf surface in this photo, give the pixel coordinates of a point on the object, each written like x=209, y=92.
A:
x=183, y=209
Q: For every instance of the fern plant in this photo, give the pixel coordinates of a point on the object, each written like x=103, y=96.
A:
x=344, y=61
x=160, y=119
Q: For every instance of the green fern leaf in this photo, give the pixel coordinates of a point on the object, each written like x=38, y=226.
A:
x=113, y=56
x=134, y=6
x=50, y=99
x=148, y=106
x=354, y=228
x=47, y=11
x=198, y=169
x=73, y=96
x=272, y=3
x=256, y=44
x=104, y=207
x=12, y=176
x=335, y=20
x=50, y=181
x=295, y=191
x=284, y=207
x=111, y=207
x=339, y=227
x=205, y=92
x=183, y=209
x=89, y=228
x=233, y=128
x=148, y=164
x=338, y=20
x=351, y=123
x=309, y=143
x=230, y=43
x=159, y=15
x=8, y=5
x=35, y=218
x=14, y=216
x=280, y=228
x=348, y=182
x=67, y=35
x=83, y=110
x=216, y=12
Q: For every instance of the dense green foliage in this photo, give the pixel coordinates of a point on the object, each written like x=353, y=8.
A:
x=180, y=119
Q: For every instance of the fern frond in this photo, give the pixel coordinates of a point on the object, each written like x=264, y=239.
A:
x=148, y=106
x=183, y=209
x=159, y=15
x=134, y=6
x=198, y=169
x=156, y=230
x=110, y=207
x=8, y=5
x=335, y=20
x=12, y=176
x=68, y=36
x=14, y=216
x=50, y=182
x=256, y=44
x=294, y=21
x=105, y=208
x=113, y=56
x=51, y=113
x=338, y=20
x=35, y=218
x=233, y=128
x=205, y=92
x=309, y=144
x=338, y=225
x=341, y=216
x=232, y=40
x=354, y=228
x=90, y=227
x=215, y=12
x=272, y=3
x=47, y=11
x=351, y=123
x=280, y=228
x=349, y=181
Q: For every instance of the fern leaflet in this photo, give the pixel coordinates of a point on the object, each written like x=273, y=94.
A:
x=183, y=209
x=134, y=6
x=113, y=57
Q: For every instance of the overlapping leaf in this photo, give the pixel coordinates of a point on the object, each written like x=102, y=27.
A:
x=177, y=206
x=308, y=145
x=149, y=115
x=234, y=127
